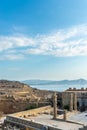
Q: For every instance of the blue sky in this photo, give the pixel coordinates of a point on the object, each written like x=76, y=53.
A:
x=43, y=39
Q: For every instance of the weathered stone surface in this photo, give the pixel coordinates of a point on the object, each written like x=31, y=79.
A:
x=75, y=101
x=55, y=105
x=71, y=102
x=16, y=96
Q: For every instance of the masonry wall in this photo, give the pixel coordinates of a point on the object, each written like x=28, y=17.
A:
x=85, y=128
x=26, y=123
x=81, y=98
x=65, y=98
x=33, y=111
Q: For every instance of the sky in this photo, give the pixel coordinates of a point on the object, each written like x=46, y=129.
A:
x=43, y=39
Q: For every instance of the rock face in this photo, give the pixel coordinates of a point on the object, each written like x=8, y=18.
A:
x=16, y=96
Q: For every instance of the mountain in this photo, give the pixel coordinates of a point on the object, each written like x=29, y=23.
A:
x=37, y=82
x=61, y=82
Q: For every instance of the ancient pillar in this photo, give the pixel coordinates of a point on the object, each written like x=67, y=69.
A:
x=75, y=101
x=71, y=102
x=55, y=105
x=64, y=115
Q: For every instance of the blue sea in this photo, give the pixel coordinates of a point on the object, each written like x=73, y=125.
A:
x=58, y=88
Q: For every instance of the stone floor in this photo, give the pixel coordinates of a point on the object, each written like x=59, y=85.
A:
x=47, y=120
x=80, y=118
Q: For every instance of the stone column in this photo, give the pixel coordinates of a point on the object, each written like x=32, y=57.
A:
x=71, y=102
x=55, y=105
x=64, y=115
x=75, y=101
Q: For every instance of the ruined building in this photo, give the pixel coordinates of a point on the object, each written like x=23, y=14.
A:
x=75, y=99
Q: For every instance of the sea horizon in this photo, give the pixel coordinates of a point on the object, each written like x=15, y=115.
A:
x=59, y=88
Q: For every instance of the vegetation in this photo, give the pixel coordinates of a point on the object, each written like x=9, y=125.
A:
x=31, y=107
x=66, y=107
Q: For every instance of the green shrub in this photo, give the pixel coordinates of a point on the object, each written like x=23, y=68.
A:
x=66, y=107
x=30, y=107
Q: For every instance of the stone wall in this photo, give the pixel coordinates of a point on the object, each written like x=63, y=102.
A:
x=77, y=90
x=10, y=105
x=26, y=123
x=79, y=99
x=84, y=128
x=33, y=111
x=65, y=98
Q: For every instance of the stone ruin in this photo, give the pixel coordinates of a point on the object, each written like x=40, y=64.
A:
x=55, y=108
x=76, y=99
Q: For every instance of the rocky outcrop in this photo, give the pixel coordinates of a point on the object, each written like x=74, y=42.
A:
x=16, y=96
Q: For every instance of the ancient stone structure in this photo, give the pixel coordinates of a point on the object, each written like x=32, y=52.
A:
x=82, y=102
x=78, y=101
x=25, y=121
x=65, y=115
x=71, y=102
x=55, y=105
x=24, y=124
x=56, y=110
x=33, y=111
x=84, y=128
x=75, y=101
x=14, y=122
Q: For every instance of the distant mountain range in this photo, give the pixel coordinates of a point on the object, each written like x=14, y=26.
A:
x=61, y=82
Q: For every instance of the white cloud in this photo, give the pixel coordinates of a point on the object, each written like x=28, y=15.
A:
x=66, y=42
x=14, y=57
x=8, y=42
x=11, y=56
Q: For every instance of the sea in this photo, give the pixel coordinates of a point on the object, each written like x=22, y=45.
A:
x=59, y=88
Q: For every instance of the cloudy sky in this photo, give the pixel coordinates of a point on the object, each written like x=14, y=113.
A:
x=43, y=39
